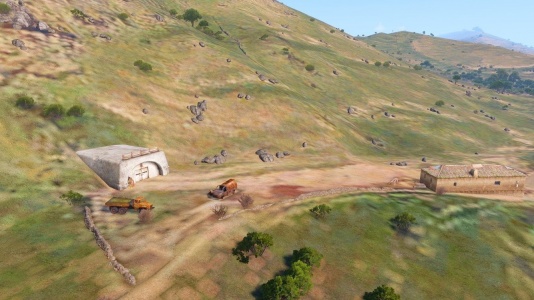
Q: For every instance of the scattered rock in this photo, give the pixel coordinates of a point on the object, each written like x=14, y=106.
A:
x=42, y=26
x=351, y=110
x=261, y=151
x=195, y=120
x=18, y=43
x=200, y=117
x=228, y=60
x=193, y=109
x=202, y=105
x=262, y=77
x=240, y=95
x=273, y=81
x=304, y=145
x=286, y=153
x=196, y=96
x=476, y=153
x=266, y=157
x=507, y=129
x=91, y=20
x=159, y=17
x=393, y=116
x=105, y=36
x=452, y=105
x=423, y=159
x=386, y=114
x=268, y=22
x=218, y=159
x=402, y=163
x=201, y=44
x=208, y=160
x=145, y=111
x=248, y=97
x=475, y=111
x=335, y=72
x=224, y=153
x=94, y=34
x=195, y=162
x=279, y=154
x=373, y=117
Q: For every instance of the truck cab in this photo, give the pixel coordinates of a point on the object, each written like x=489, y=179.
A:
x=226, y=188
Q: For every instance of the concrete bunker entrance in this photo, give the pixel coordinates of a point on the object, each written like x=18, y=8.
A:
x=144, y=170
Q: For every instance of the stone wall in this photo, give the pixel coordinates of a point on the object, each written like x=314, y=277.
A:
x=104, y=245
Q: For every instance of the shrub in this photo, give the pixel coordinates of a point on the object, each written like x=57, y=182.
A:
x=307, y=255
x=246, y=201
x=254, y=243
x=219, y=210
x=403, y=221
x=417, y=67
x=387, y=64
x=145, y=216
x=145, y=41
x=76, y=111
x=382, y=292
x=122, y=16
x=55, y=111
x=203, y=23
x=4, y=8
x=309, y=68
x=439, y=103
x=264, y=37
x=78, y=13
x=25, y=102
x=312, y=19
x=137, y=63
x=143, y=66
x=173, y=12
x=73, y=198
x=332, y=31
x=285, y=50
x=378, y=64
x=320, y=211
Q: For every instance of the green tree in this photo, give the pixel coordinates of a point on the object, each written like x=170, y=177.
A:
x=309, y=67
x=254, y=243
x=280, y=288
x=173, y=12
x=378, y=64
x=203, y=23
x=403, y=221
x=320, y=211
x=25, y=102
x=332, y=31
x=4, y=8
x=145, y=67
x=72, y=197
x=54, y=111
x=192, y=15
x=307, y=255
x=301, y=273
x=456, y=78
x=382, y=292
x=76, y=111
x=439, y=103
x=264, y=37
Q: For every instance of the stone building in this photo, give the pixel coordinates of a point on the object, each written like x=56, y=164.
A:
x=476, y=178
x=121, y=166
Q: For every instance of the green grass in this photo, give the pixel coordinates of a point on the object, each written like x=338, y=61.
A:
x=459, y=247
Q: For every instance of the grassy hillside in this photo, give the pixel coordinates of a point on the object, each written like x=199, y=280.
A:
x=44, y=235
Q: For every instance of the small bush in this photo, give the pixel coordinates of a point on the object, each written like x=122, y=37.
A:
x=332, y=31
x=285, y=50
x=320, y=211
x=145, y=216
x=173, y=12
x=309, y=68
x=75, y=111
x=264, y=37
x=387, y=64
x=78, y=13
x=73, y=198
x=137, y=63
x=145, y=41
x=378, y=64
x=4, y=8
x=312, y=19
x=180, y=17
x=122, y=16
x=342, y=30
x=55, y=111
x=25, y=102
x=246, y=201
x=417, y=67
x=439, y=103
x=143, y=66
x=219, y=210
x=203, y=23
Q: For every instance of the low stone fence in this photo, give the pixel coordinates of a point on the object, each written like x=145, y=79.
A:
x=104, y=245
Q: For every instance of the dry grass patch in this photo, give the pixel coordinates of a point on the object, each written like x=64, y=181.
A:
x=208, y=287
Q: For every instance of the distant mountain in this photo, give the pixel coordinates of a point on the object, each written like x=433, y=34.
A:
x=478, y=36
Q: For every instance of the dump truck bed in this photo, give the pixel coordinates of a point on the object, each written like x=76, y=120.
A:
x=119, y=202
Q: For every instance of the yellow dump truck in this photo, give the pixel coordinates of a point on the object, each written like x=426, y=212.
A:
x=121, y=205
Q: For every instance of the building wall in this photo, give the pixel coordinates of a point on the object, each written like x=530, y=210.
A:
x=156, y=162
x=474, y=185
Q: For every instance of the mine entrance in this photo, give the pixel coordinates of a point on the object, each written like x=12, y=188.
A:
x=140, y=173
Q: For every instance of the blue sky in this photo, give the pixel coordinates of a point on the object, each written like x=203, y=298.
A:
x=511, y=19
